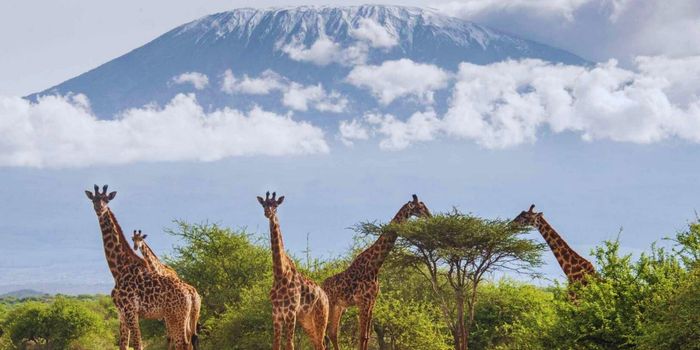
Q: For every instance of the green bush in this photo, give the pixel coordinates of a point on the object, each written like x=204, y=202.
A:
x=56, y=325
x=221, y=263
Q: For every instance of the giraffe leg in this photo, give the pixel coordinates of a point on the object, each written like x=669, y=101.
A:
x=177, y=329
x=277, y=325
x=131, y=322
x=314, y=324
x=321, y=323
x=334, y=315
x=365, y=323
x=289, y=324
x=124, y=333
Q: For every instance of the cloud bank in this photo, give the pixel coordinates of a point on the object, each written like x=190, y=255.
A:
x=400, y=78
x=62, y=132
x=595, y=29
x=509, y=103
x=294, y=95
x=198, y=80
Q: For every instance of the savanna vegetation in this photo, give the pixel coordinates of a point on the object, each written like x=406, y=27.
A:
x=438, y=293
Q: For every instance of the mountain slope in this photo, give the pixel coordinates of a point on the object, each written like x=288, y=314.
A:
x=250, y=41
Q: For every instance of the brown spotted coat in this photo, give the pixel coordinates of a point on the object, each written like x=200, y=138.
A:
x=137, y=292
x=575, y=267
x=294, y=296
x=158, y=267
x=358, y=285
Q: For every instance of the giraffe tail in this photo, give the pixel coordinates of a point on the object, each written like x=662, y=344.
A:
x=327, y=342
x=195, y=337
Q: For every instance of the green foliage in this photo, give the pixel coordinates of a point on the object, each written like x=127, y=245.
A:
x=512, y=315
x=60, y=324
x=454, y=251
x=407, y=324
x=247, y=325
x=650, y=302
x=626, y=307
x=674, y=322
x=221, y=263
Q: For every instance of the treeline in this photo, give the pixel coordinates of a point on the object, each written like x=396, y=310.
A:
x=649, y=302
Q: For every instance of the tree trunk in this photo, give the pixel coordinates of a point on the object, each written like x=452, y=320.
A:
x=472, y=314
x=380, y=337
x=460, y=333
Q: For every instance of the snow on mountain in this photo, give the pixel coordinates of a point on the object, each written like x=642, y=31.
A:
x=294, y=59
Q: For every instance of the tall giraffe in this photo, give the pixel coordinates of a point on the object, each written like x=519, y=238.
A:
x=576, y=267
x=293, y=295
x=138, y=292
x=358, y=285
x=155, y=265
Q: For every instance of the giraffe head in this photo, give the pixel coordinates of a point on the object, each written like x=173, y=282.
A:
x=528, y=218
x=138, y=239
x=416, y=208
x=100, y=200
x=270, y=204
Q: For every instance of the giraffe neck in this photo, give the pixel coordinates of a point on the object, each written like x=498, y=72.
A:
x=117, y=258
x=381, y=248
x=559, y=248
x=150, y=257
x=279, y=258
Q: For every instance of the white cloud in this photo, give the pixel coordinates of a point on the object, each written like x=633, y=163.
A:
x=509, y=103
x=62, y=132
x=352, y=130
x=394, y=79
x=474, y=8
x=267, y=82
x=198, y=80
x=294, y=95
x=595, y=29
x=299, y=97
x=368, y=30
x=324, y=52
x=421, y=126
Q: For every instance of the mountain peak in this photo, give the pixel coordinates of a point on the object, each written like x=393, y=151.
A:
x=334, y=22
x=296, y=44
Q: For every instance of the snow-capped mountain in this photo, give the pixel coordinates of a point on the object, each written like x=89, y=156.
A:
x=249, y=57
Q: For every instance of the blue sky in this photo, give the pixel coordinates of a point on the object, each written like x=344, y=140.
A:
x=589, y=171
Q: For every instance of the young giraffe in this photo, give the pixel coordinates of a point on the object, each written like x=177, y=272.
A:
x=137, y=291
x=154, y=264
x=574, y=265
x=293, y=295
x=358, y=285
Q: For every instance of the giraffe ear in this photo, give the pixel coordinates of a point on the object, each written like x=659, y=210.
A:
x=144, y=236
x=261, y=200
x=112, y=195
x=89, y=195
x=280, y=200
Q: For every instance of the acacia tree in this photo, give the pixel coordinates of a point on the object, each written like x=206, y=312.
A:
x=454, y=252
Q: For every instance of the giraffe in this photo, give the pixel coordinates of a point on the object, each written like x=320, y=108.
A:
x=158, y=267
x=358, y=285
x=574, y=265
x=293, y=295
x=138, y=292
